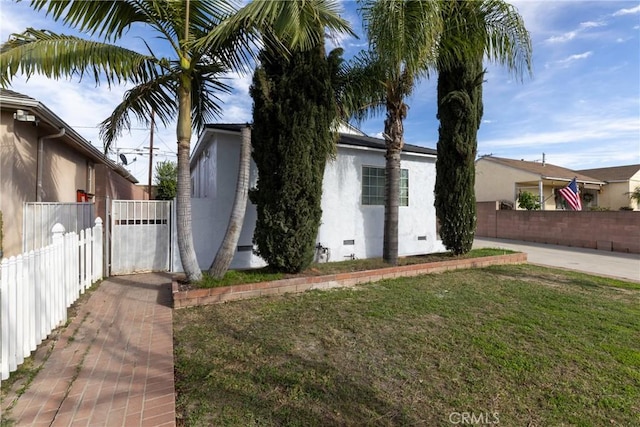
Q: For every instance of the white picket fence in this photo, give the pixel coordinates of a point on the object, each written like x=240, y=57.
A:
x=37, y=287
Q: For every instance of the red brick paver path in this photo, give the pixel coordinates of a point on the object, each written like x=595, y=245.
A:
x=113, y=365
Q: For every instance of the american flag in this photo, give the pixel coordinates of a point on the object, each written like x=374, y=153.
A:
x=572, y=195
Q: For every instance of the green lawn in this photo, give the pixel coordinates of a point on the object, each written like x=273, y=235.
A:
x=522, y=345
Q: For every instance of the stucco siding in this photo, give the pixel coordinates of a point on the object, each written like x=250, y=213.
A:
x=634, y=183
x=344, y=217
x=64, y=172
x=495, y=182
x=17, y=178
x=616, y=194
x=110, y=184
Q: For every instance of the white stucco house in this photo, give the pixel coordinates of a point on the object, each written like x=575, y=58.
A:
x=352, y=200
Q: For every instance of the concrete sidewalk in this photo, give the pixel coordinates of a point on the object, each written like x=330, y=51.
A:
x=112, y=365
x=611, y=264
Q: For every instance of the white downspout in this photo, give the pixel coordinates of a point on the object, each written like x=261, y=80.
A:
x=39, y=190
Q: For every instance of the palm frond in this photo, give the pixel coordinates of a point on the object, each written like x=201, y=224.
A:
x=402, y=34
x=157, y=96
x=205, y=101
x=107, y=19
x=294, y=22
x=509, y=42
x=363, y=88
x=492, y=28
x=59, y=55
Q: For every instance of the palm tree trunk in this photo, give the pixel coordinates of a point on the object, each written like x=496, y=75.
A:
x=394, y=131
x=183, y=197
x=391, y=209
x=227, y=249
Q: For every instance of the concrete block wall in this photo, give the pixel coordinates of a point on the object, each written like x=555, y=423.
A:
x=610, y=230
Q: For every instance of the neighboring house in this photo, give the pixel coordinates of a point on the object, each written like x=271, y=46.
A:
x=500, y=179
x=42, y=159
x=621, y=181
x=352, y=200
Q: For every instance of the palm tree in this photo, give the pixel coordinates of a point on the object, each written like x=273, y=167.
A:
x=402, y=38
x=227, y=250
x=472, y=31
x=205, y=38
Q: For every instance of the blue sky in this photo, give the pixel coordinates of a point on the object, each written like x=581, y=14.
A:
x=581, y=107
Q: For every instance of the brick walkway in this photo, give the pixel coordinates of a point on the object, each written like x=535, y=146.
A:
x=113, y=365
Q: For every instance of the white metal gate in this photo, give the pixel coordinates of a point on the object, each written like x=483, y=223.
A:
x=140, y=236
x=38, y=218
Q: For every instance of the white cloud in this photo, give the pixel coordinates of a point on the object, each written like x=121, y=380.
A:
x=592, y=24
x=570, y=35
x=562, y=38
x=16, y=19
x=631, y=11
x=570, y=59
x=578, y=56
x=239, y=81
x=578, y=131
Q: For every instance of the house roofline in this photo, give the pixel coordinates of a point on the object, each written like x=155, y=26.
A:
x=553, y=178
x=43, y=113
x=496, y=160
x=346, y=140
x=382, y=150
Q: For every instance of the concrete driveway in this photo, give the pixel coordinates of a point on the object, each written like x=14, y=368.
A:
x=612, y=264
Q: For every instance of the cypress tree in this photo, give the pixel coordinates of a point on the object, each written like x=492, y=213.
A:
x=293, y=111
x=473, y=30
x=460, y=113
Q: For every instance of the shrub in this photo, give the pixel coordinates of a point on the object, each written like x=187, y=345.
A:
x=528, y=201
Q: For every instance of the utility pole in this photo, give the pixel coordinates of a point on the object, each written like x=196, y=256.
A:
x=153, y=112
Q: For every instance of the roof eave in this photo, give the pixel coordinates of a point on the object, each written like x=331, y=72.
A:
x=48, y=116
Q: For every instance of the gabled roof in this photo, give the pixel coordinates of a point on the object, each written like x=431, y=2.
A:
x=544, y=170
x=616, y=173
x=345, y=139
x=14, y=94
x=10, y=99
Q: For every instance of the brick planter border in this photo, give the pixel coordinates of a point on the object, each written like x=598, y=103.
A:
x=195, y=297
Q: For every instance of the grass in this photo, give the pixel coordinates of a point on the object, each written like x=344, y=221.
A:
x=524, y=344
x=237, y=277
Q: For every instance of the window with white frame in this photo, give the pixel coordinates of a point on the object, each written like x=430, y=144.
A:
x=373, y=183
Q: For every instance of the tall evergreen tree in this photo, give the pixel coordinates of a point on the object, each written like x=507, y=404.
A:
x=459, y=111
x=293, y=112
x=472, y=31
